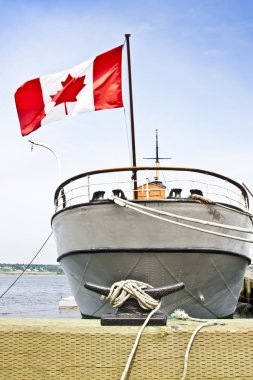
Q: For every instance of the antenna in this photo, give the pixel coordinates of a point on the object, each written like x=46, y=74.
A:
x=157, y=158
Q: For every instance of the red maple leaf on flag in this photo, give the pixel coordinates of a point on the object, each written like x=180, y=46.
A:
x=71, y=88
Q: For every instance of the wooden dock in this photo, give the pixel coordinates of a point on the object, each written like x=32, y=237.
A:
x=52, y=349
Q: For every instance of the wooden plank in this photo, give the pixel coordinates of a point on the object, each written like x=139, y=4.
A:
x=78, y=349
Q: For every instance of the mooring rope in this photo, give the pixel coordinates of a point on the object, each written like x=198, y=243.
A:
x=181, y=314
x=123, y=290
x=176, y=216
x=27, y=266
x=138, y=208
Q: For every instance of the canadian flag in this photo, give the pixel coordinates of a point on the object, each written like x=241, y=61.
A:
x=93, y=85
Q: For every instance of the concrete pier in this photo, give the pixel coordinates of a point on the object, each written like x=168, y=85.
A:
x=52, y=349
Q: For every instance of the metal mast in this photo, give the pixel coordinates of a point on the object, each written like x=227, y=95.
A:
x=157, y=158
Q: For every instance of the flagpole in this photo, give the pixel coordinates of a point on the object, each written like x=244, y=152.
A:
x=131, y=114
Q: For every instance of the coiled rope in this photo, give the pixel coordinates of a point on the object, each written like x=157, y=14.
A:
x=139, y=208
x=181, y=314
x=122, y=291
x=27, y=266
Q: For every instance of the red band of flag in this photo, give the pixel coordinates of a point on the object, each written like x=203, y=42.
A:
x=91, y=86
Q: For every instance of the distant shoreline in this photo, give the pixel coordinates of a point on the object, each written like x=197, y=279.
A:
x=33, y=269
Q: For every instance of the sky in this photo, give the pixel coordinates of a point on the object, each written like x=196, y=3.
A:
x=192, y=80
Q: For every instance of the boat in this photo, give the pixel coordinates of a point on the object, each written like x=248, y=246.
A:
x=193, y=226
x=162, y=225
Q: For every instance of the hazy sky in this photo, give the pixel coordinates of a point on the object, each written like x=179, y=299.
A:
x=192, y=67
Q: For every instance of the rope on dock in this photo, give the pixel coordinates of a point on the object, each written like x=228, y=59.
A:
x=122, y=291
x=27, y=266
x=181, y=314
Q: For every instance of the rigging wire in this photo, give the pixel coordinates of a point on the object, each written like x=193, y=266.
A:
x=27, y=266
x=163, y=176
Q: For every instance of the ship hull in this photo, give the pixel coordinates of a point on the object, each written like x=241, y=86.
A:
x=104, y=243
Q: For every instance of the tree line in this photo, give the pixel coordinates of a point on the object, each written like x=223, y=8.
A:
x=32, y=268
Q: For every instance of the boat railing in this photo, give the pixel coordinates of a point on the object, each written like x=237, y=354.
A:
x=173, y=182
x=170, y=182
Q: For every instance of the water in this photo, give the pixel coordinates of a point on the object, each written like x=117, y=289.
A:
x=35, y=296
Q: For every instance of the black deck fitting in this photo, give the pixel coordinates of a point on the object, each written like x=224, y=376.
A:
x=131, y=313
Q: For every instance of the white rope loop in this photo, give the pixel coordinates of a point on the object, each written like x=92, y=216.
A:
x=140, y=209
x=121, y=291
x=181, y=314
x=125, y=203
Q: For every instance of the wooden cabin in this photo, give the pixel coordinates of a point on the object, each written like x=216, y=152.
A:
x=152, y=190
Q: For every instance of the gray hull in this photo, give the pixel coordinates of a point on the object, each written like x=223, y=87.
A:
x=104, y=243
